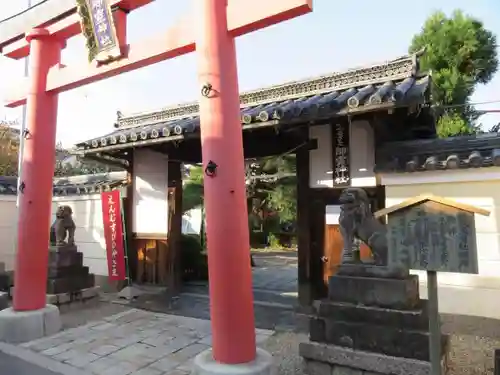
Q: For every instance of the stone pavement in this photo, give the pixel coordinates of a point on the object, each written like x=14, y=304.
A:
x=131, y=342
x=14, y=365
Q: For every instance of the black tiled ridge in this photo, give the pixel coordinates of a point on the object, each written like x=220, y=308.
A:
x=475, y=151
x=390, y=84
x=75, y=185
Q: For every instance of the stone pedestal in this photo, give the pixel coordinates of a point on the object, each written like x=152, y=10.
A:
x=204, y=364
x=23, y=326
x=4, y=300
x=4, y=279
x=66, y=273
x=370, y=324
x=68, y=281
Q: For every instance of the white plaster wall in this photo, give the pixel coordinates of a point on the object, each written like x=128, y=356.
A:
x=320, y=160
x=361, y=156
x=87, y=214
x=7, y=227
x=89, y=234
x=150, y=192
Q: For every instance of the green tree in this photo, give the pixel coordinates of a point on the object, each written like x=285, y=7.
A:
x=192, y=192
x=461, y=54
x=9, y=146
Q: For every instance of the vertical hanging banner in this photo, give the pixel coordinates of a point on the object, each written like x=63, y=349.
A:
x=340, y=148
x=98, y=28
x=113, y=234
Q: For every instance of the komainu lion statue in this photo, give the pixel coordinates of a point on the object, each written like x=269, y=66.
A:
x=62, y=231
x=357, y=221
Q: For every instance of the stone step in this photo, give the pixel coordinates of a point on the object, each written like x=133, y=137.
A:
x=408, y=319
x=4, y=300
x=4, y=282
x=70, y=284
x=67, y=271
x=65, y=258
x=73, y=298
x=323, y=359
x=373, y=291
x=386, y=340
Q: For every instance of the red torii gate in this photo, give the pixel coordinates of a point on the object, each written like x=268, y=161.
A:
x=219, y=22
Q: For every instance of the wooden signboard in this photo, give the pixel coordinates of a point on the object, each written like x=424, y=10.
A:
x=436, y=235
x=432, y=234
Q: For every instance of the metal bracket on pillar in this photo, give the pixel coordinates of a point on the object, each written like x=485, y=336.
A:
x=26, y=134
x=21, y=188
x=206, y=90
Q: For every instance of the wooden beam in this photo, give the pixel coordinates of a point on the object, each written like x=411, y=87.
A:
x=64, y=28
x=243, y=17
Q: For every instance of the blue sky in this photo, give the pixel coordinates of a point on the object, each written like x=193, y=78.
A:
x=337, y=35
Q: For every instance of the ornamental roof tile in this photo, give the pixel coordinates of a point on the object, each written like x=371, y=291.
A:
x=474, y=151
x=74, y=185
x=382, y=86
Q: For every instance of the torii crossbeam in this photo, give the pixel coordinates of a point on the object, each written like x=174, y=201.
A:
x=211, y=31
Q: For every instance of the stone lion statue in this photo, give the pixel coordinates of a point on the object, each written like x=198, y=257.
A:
x=62, y=231
x=356, y=221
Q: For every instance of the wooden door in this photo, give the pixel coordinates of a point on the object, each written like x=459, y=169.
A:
x=332, y=251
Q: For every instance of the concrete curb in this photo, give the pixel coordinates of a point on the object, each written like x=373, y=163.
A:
x=40, y=360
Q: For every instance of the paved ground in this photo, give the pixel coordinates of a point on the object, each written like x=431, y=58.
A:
x=132, y=342
x=16, y=366
x=275, y=296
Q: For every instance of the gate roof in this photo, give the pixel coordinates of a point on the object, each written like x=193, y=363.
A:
x=383, y=86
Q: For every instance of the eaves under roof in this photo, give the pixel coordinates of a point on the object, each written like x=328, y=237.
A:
x=473, y=151
x=74, y=185
x=396, y=83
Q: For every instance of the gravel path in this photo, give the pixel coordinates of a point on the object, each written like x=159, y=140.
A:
x=284, y=346
x=473, y=341
x=471, y=355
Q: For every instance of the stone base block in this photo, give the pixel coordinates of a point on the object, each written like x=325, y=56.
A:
x=385, y=340
x=204, y=364
x=58, y=272
x=371, y=291
x=73, y=297
x=63, y=247
x=417, y=319
x=321, y=359
x=22, y=326
x=70, y=284
x=65, y=258
x=367, y=270
x=4, y=300
x=4, y=282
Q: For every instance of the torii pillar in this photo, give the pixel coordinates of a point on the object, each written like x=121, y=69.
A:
x=30, y=316
x=228, y=245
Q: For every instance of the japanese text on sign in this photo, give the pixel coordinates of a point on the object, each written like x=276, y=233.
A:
x=113, y=234
x=112, y=225
x=341, y=155
x=433, y=241
x=103, y=24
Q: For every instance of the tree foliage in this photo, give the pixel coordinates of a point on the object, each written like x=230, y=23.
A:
x=9, y=151
x=192, y=192
x=461, y=54
x=9, y=148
